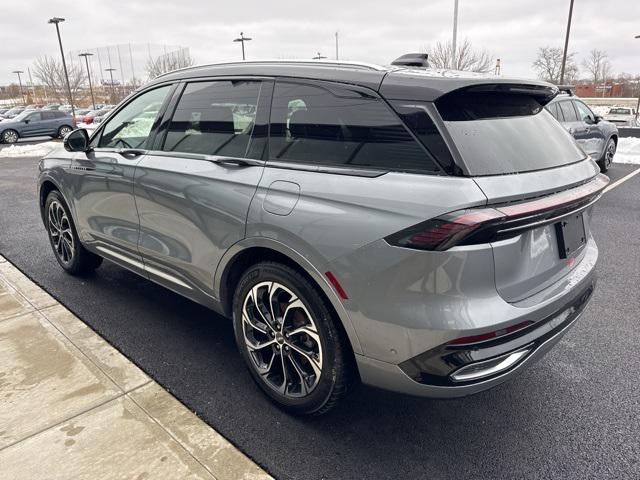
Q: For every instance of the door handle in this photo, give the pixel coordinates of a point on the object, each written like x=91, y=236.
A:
x=131, y=152
x=235, y=162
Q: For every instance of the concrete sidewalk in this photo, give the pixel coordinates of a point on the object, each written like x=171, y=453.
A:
x=72, y=406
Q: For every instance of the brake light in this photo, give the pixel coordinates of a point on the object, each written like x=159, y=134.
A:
x=491, y=335
x=443, y=232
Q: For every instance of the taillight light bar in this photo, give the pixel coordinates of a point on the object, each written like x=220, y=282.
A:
x=483, y=225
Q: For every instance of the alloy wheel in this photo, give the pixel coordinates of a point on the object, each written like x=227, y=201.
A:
x=282, y=339
x=611, y=151
x=63, y=131
x=60, y=232
x=10, y=136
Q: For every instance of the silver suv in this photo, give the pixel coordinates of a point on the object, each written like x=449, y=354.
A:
x=418, y=230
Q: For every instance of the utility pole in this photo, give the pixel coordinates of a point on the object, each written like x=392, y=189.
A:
x=336, y=45
x=566, y=44
x=86, y=56
x=454, y=62
x=111, y=70
x=56, y=21
x=33, y=88
x=18, y=72
x=242, y=39
x=497, y=70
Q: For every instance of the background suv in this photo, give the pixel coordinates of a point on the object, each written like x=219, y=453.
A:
x=421, y=231
x=597, y=137
x=36, y=123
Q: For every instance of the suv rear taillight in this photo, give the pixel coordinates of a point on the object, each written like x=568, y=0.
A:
x=484, y=225
x=446, y=231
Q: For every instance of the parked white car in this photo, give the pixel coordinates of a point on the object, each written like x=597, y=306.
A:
x=622, y=116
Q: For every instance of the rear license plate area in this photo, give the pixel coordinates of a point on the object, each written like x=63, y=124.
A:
x=571, y=235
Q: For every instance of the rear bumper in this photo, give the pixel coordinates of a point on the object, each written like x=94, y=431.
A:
x=536, y=342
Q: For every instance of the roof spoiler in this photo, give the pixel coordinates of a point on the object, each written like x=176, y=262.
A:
x=412, y=60
x=568, y=89
x=542, y=93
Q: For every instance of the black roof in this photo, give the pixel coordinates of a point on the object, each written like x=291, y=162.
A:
x=393, y=82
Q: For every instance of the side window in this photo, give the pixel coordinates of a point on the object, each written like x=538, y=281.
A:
x=35, y=117
x=131, y=126
x=584, y=113
x=214, y=118
x=568, y=112
x=310, y=124
x=555, y=111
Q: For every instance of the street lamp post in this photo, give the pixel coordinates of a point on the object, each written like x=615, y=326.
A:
x=638, y=86
x=454, y=62
x=242, y=39
x=56, y=21
x=111, y=70
x=566, y=44
x=18, y=72
x=86, y=56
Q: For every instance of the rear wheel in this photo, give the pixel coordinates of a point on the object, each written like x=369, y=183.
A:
x=64, y=130
x=290, y=340
x=607, y=156
x=10, y=136
x=69, y=252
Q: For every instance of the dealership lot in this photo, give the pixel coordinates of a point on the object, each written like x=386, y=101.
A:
x=573, y=415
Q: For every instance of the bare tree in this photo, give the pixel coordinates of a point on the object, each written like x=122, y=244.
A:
x=594, y=64
x=168, y=62
x=548, y=64
x=466, y=57
x=51, y=73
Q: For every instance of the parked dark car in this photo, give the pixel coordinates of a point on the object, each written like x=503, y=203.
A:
x=597, y=137
x=418, y=230
x=13, y=112
x=36, y=123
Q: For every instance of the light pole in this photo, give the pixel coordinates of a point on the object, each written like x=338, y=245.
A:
x=86, y=56
x=56, y=21
x=18, y=72
x=242, y=39
x=566, y=44
x=319, y=57
x=336, y=45
x=455, y=36
x=111, y=70
x=638, y=86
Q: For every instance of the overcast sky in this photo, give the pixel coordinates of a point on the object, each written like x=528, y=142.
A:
x=368, y=30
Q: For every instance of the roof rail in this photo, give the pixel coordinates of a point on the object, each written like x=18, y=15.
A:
x=314, y=63
x=568, y=89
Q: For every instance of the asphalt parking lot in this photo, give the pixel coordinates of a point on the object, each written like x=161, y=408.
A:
x=573, y=415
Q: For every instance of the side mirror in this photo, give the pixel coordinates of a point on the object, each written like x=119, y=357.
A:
x=597, y=119
x=26, y=120
x=76, y=141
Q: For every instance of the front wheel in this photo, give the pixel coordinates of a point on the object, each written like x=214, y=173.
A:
x=607, y=156
x=64, y=130
x=10, y=136
x=69, y=252
x=290, y=339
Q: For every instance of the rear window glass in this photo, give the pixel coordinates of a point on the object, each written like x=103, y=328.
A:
x=499, y=133
x=568, y=111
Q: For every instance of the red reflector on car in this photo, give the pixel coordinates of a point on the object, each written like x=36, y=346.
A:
x=490, y=335
x=336, y=285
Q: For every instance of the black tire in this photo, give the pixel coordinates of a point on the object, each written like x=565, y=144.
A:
x=334, y=353
x=10, y=136
x=65, y=238
x=64, y=130
x=607, y=156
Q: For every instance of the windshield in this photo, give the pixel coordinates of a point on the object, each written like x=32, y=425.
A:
x=620, y=111
x=499, y=133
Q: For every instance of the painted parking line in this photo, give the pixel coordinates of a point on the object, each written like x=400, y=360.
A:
x=620, y=181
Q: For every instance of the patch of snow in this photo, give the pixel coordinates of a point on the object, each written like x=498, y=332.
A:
x=37, y=150
x=628, y=151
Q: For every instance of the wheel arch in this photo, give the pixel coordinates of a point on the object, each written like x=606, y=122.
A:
x=250, y=251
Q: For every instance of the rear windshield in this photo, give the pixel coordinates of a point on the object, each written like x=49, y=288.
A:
x=620, y=111
x=499, y=133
